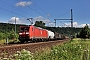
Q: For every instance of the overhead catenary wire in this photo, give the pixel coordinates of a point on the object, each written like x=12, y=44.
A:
x=42, y=9
x=11, y=12
x=24, y=11
x=15, y=7
x=65, y=24
x=63, y=14
x=33, y=10
x=37, y=11
x=47, y=13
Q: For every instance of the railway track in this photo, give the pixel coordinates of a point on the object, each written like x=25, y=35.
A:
x=32, y=47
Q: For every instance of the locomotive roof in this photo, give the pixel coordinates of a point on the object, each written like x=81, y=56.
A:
x=33, y=26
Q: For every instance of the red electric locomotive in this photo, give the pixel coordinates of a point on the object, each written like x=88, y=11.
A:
x=31, y=33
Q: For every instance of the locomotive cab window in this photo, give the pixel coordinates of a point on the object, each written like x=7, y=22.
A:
x=24, y=29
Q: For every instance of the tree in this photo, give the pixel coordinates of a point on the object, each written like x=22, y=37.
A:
x=12, y=34
x=85, y=32
x=39, y=24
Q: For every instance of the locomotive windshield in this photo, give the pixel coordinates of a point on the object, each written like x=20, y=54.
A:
x=24, y=29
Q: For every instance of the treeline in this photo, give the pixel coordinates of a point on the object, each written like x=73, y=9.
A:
x=7, y=27
x=67, y=31
x=84, y=33
x=7, y=30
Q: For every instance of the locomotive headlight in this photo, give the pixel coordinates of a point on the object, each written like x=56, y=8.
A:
x=20, y=33
x=27, y=32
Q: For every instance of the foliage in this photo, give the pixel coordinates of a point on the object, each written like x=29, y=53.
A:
x=39, y=24
x=2, y=35
x=85, y=32
x=10, y=35
x=73, y=50
x=6, y=27
x=7, y=30
x=76, y=49
x=68, y=31
x=21, y=55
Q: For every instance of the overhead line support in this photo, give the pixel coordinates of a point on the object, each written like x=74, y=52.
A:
x=66, y=19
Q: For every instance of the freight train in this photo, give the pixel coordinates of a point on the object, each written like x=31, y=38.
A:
x=32, y=33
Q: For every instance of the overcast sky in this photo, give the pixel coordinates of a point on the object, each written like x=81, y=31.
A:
x=45, y=10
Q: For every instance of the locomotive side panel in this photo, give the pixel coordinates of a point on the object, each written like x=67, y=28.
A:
x=44, y=34
x=37, y=33
x=31, y=32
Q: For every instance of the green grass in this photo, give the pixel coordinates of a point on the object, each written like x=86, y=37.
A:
x=77, y=49
x=9, y=41
x=2, y=41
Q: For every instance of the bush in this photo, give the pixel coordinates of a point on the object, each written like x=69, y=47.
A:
x=74, y=50
x=23, y=55
x=85, y=32
x=10, y=35
x=2, y=35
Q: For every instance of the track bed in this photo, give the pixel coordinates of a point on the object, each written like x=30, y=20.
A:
x=32, y=47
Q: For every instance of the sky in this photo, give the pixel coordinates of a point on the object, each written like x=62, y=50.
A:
x=46, y=11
